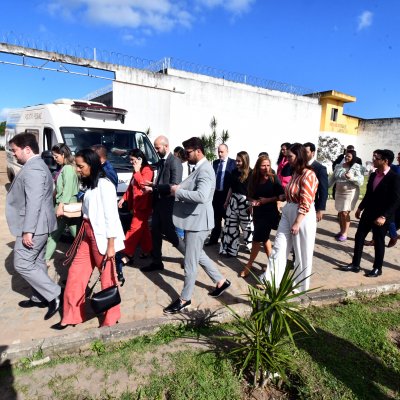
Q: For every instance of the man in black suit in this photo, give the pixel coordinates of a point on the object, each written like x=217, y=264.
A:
x=223, y=168
x=322, y=175
x=378, y=208
x=169, y=172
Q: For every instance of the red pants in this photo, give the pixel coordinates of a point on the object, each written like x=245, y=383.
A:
x=138, y=233
x=79, y=274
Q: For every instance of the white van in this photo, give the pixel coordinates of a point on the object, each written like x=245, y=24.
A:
x=79, y=124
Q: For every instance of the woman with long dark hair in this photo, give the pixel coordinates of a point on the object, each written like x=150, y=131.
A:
x=298, y=224
x=263, y=193
x=237, y=209
x=139, y=202
x=100, y=237
x=284, y=170
x=348, y=177
x=66, y=189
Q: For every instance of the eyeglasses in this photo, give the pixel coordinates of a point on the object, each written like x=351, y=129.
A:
x=189, y=151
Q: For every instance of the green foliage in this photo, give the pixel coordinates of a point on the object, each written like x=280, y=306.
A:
x=2, y=128
x=98, y=347
x=260, y=342
x=200, y=376
x=212, y=140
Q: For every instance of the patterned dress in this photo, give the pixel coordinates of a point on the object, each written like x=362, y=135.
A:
x=237, y=217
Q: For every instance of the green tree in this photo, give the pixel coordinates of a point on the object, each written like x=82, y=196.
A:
x=212, y=140
x=2, y=128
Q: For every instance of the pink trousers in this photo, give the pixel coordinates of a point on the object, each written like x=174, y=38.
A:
x=85, y=260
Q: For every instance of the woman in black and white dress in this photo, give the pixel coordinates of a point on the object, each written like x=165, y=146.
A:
x=237, y=209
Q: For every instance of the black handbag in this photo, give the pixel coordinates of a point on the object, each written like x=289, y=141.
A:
x=106, y=298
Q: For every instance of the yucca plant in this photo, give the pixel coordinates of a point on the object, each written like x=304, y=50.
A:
x=260, y=340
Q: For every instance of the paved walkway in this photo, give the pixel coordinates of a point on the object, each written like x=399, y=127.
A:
x=144, y=295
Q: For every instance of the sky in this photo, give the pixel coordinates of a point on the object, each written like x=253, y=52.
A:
x=350, y=46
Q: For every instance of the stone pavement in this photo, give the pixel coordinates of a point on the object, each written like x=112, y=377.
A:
x=145, y=295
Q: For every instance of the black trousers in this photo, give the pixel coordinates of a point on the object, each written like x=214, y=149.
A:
x=219, y=214
x=162, y=224
x=378, y=232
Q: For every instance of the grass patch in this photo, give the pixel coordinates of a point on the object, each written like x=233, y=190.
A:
x=351, y=356
x=200, y=376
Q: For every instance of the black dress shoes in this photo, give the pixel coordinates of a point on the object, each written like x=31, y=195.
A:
x=30, y=303
x=219, y=290
x=54, y=306
x=177, y=306
x=351, y=267
x=121, y=278
x=374, y=273
x=59, y=327
x=153, y=267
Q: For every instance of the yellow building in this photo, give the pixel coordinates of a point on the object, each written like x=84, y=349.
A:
x=332, y=117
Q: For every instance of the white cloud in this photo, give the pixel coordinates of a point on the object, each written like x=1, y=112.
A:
x=3, y=113
x=233, y=6
x=154, y=15
x=364, y=20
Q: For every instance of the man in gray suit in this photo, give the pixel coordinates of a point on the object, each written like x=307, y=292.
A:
x=30, y=217
x=193, y=212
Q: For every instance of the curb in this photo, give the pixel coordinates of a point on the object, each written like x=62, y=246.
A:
x=81, y=341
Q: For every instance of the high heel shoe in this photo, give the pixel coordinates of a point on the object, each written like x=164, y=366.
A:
x=59, y=327
x=245, y=272
x=121, y=278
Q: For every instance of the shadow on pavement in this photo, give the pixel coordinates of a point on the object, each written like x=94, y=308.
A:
x=7, y=391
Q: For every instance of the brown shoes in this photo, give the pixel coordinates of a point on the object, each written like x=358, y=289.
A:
x=245, y=272
x=392, y=242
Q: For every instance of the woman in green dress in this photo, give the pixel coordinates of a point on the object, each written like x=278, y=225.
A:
x=66, y=189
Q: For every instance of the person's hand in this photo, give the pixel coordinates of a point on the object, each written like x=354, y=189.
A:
x=255, y=203
x=358, y=213
x=380, y=221
x=174, y=188
x=137, y=164
x=295, y=229
x=319, y=216
x=147, y=189
x=60, y=210
x=27, y=240
x=121, y=202
x=148, y=183
x=110, y=252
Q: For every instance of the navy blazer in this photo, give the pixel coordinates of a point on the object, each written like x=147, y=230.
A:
x=230, y=166
x=384, y=200
x=322, y=192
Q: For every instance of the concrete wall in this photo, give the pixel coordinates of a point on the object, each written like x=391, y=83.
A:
x=372, y=134
x=378, y=134
x=181, y=104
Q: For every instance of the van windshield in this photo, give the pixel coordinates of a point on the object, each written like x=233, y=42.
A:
x=117, y=142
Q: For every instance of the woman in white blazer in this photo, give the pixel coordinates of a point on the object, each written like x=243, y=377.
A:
x=100, y=236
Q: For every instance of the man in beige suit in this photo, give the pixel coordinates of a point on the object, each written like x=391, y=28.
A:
x=193, y=212
x=31, y=217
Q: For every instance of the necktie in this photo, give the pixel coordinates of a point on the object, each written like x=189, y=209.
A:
x=160, y=168
x=219, y=175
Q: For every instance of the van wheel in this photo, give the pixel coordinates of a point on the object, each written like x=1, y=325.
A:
x=10, y=174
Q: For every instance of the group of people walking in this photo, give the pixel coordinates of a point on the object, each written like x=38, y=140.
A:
x=253, y=202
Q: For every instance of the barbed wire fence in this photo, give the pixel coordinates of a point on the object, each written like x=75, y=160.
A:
x=160, y=66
